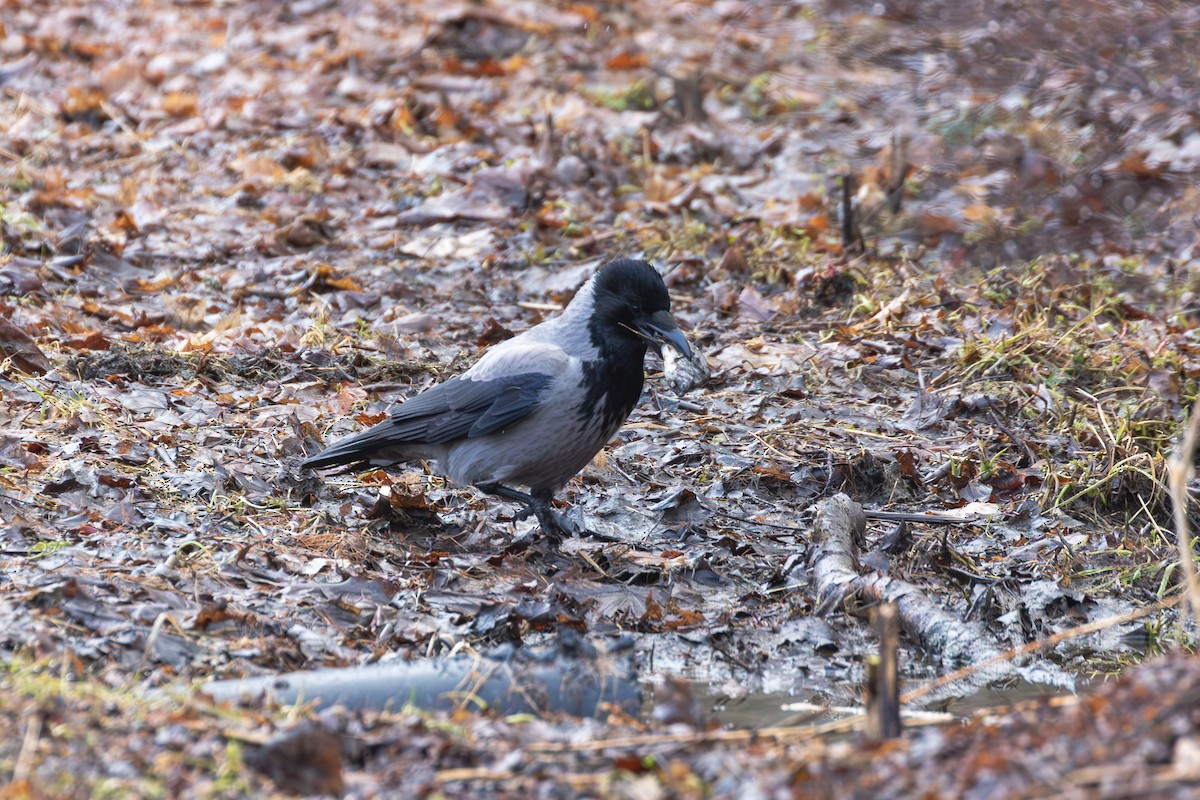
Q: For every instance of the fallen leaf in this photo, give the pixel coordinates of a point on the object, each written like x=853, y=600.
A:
x=19, y=349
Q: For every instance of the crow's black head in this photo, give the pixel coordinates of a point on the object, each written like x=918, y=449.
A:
x=631, y=309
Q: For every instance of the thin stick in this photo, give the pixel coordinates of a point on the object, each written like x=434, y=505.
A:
x=1041, y=644
x=1179, y=470
x=882, y=689
x=25, y=759
x=795, y=733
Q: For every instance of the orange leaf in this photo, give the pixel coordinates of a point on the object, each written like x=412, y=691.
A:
x=979, y=212
x=88, y=341
x=156, y=285
x=550, y=217
x=627, y=61
x=257, y=167
x=124, y=222
x=488, y=68
x=370, y=419
x=446, y=118
x=685, y=618
x=1135, y=163
x=82, y=101
x=180, y=104
x=932, y=222
x=589, y=13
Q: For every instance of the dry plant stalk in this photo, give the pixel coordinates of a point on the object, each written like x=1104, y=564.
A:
x=913, y=695
x=1179, y=469
x=883, y=682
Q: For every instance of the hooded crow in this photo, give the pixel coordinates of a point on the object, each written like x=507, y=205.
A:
x=536, y=408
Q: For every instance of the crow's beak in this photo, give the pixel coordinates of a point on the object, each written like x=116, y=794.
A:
x=660, y=328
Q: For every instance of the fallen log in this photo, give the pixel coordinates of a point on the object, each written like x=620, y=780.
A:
x=838, y=582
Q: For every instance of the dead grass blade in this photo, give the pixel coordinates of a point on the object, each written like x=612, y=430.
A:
x=1179, y=469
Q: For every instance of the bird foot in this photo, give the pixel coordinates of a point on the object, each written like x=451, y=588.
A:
x=555, y=525
x=552, y=522
x=559, y=525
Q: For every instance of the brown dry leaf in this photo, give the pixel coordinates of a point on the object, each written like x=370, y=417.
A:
x=980, y=213
x=347, y=398
x=587, y=12
x=257, y=167
x=893, y=309
x=125, y=223
x=484, y=68
x=817, y=224
x=324, y=277
x=626, y=60
x=307, y=232
x=19, y=348
x=685, y=619
x=182, y=311
x=81, y=101
x=204, y=342
x=733, y=262
x=653, y=613
x=157, y=284
x=1136, y=164
x=94, y=340
x=180, y=104
x=752, y=304
x=931, y=221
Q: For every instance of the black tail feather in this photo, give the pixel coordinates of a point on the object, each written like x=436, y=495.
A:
x=352, y=451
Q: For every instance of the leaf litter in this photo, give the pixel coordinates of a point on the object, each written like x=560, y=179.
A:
x=231, y=232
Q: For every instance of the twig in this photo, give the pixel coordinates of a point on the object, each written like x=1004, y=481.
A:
x=575, y=780
x=993, y=412
x=882, y=685
x=926, y=517
x=1179, y=469
x=781, y=733
x=738, y=518
x=24, y=766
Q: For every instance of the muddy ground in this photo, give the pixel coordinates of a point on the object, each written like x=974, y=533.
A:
x=938, y=256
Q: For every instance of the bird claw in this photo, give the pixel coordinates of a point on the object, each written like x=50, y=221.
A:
x=559, y=526
x=553, y=523
x=569, y=526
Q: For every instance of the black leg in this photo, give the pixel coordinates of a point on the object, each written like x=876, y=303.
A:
x=509, y=494
x=553, y=523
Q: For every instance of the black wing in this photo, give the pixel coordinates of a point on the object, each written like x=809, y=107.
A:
x=455, y=409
